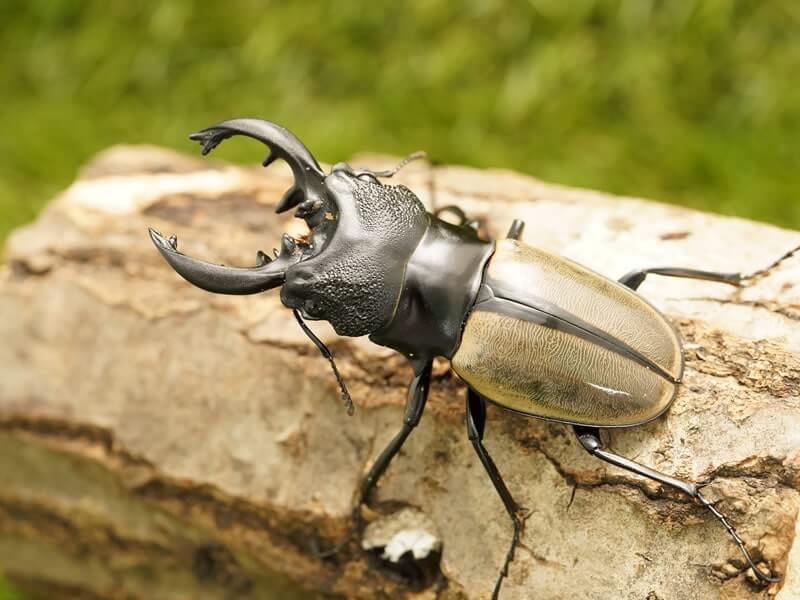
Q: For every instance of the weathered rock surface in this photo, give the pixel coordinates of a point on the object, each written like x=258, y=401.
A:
x=157, y=441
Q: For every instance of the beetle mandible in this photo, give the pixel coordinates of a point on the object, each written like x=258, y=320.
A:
x=377, y=263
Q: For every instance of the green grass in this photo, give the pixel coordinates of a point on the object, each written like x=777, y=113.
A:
x=689, y=102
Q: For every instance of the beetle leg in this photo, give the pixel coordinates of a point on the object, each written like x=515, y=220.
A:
x=476, y=421
x=515, y=231
x=635, y=278
x=463, y=219
x=453, y=210
x=415, y=405
x=589, y=438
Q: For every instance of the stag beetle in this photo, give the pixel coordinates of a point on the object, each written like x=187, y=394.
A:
x=530, y=331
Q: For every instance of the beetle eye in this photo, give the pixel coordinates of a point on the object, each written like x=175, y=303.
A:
x=312, y=309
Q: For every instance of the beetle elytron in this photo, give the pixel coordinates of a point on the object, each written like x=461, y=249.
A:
x=529, y=331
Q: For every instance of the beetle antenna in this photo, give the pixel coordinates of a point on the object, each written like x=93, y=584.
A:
x=393, y=171
x=739, y=542
x=348, y=401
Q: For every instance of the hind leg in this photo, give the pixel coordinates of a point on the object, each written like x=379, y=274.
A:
x=589, y=438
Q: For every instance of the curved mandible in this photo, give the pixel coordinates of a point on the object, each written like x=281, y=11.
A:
x=308, y=175
x=222, y=279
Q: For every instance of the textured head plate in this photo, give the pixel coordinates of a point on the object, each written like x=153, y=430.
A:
x=349, y=269
x=353, y=273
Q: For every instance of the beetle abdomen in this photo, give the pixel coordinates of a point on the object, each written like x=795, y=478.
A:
x=550, y=338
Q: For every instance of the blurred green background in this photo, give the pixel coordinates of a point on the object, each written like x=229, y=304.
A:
x=691, y=102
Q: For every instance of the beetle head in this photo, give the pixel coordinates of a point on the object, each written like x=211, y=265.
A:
x=349, y=268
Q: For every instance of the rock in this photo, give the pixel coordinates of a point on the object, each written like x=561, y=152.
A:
x=159, y=441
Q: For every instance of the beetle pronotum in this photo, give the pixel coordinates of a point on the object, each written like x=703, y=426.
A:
x=377, y=263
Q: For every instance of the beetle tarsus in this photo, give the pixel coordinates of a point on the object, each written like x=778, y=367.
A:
x=589, y=438
x=765, y=577
x=761, y=273
x=356, y=525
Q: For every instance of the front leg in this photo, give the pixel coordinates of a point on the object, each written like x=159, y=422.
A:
x=415, y=405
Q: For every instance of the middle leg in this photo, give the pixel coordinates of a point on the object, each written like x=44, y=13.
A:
x=635, y=278
x=476, y=421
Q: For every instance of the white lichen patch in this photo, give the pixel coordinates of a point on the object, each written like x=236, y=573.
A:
x=416, y=541
x=406, y=531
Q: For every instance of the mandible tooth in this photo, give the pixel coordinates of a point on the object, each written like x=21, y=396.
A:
x=308, y=208
x=271, y=158
x=287, y=243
